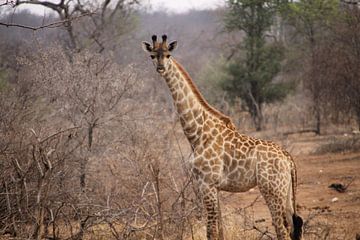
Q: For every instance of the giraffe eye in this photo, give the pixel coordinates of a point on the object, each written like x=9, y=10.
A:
x=168, y=56
x=152, y=56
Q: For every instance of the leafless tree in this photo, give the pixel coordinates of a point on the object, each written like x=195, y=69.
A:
x=338, y=65
x=99, y=20
x=89, y=91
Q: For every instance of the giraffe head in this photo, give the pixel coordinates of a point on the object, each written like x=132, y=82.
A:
x=160, y=52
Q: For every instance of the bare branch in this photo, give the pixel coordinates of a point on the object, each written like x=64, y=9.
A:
x=7, y=2
x=49, y=25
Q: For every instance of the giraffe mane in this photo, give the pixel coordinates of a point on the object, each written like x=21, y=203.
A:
x=201, y=99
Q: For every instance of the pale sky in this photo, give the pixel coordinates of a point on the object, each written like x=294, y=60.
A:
x=173, y=6
x=180, y=6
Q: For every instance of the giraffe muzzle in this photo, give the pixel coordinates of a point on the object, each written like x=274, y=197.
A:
x=160, y=69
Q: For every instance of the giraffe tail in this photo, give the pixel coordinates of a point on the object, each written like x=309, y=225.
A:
x=297, y=221
x=297, y=227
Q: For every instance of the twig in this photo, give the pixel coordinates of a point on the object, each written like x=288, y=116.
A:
x=58, y=133
x=351, y=181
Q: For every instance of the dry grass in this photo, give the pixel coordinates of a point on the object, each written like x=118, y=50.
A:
x=347, y=143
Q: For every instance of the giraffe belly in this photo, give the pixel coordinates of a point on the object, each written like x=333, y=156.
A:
x=237, y=181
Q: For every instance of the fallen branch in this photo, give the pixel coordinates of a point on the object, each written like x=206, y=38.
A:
x=299, y=132
x=340, y=187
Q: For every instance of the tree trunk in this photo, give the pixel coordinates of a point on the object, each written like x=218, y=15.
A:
x=318, y=119
x=156, y=184
x=256, y=112
x=84, y=160
x=39, y=225
x=358, y=119
x=83, y=164
x=258, y=119
x=259, y=123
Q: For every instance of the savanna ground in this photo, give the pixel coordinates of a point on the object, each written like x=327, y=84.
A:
x=328, y=214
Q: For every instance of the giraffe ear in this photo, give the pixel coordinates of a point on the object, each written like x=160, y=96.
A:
x=172, y=46
x=146, y=46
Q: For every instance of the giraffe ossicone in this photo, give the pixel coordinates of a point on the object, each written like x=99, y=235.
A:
x=224, y=159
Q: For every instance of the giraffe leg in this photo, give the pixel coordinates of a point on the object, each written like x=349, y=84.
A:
x=210, y=200
x=277, y=207
x=220, y=224
x=276, y=199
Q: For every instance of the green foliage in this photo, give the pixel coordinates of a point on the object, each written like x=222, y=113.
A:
x=313, y=10
x=251, y=78
x=257, y=83
x=310, y=16
x=250, y=16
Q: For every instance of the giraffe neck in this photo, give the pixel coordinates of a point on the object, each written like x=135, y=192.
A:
x=189, y=109
x=189, y=102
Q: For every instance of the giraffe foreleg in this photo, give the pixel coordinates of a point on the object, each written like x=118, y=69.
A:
x=211, y=204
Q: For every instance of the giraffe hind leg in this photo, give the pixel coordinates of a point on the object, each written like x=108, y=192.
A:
x=295, y=221
x=279, y=217
x=276, y=200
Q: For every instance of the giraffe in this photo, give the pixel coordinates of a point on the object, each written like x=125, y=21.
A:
x=223, y=159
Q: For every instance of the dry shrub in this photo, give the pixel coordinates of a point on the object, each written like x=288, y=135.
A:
x=340, y=145
x=322, y=224
x=83, y=154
